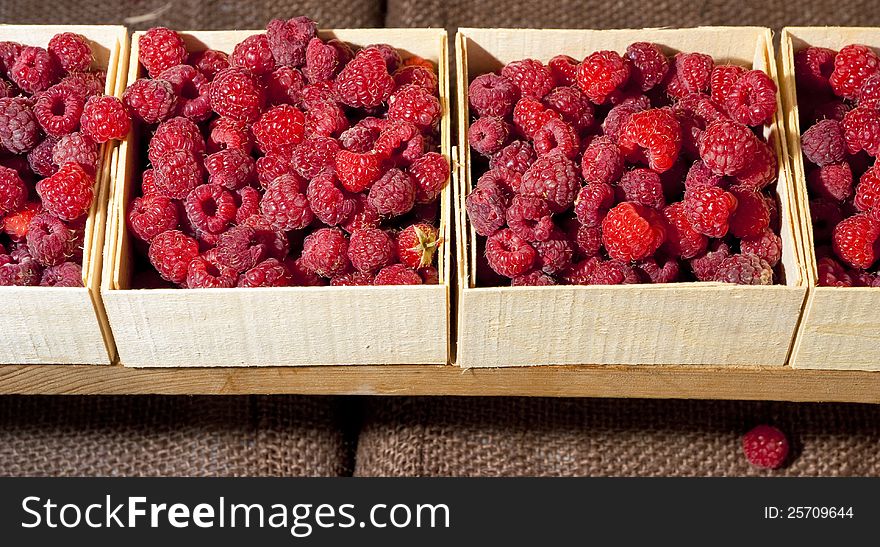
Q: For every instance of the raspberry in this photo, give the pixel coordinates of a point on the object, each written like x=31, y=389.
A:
x=727, y=147
x=632, y=232
x=9, y=51
x=68, y=193
x=529, y=116
x=705, y=266
x=66, y=274
x=617, y=119
x=278, y=127
x=648, y=64
x=430, y=173
x=171, y=252
x=828, y=110
x=869, y=93
x=861, y=130
x=177, y=174
x=852, y=66
x=13, y=192
x=326, y=119
x=273, y=165
x=530, y=218
x=574, y=107
x=488, y=135
x=284, y=86
x=175, y=135
x=593, y=202
x=159, y=49
x=40, y=158
x=581, y=273
x=518, y=156
x=556, y=135
x=362, y=136
x=365, y=82
x=552, y=177
x=762, y=170
x=289, y=39
x=855, y=241
x=19, y=131
x=330, y=204
x=868, y=190
x=353, y=279
x=508, y=254
x=700, y=176
x=602, y=161
x=823, y=143
x=58, y=110
x=325, y=252
x=71, y=51
x=658, y=132
x=832, y=181
x=357, y=172
x=492, y=95
x=151, y=100
x=555, y=255
x=210, y=208
x=507, y=180
x=151, y=215
x=16, y=224
x=393, y=194
x=321, y=92
x=752, y=216
x=486, y=209
x=104, y=118
x=79, y=149
x=284, y=206
x=690, y=73
x=324, y=60
x=370, y=249
x=695, y=112
x=314, y=155
x=813, y=67
x=416, y=105
x=564, y=70
x=231, y=168
x=19, y=271
x=669, y=272
x=601, y=74
x=644, y=187
x=832, y=274
x=253, y=53
x=613, y=272
x=752, y=99
x=416, y=75
x=268, y=273
x=530, y=76
x=192, y=89
x=744, y=270
x=723, y=80
x=209, y=62
x=766, y=246
x=534, y=278
x=50, y=242
x=241, y=248
x=397, y=274
x=229, y=133
x=709, y=210
x=237, y=94
x=204, y=272
x=34, y=70
x=681, y=238
x=765, y=447
x=401, y=142
x=389, y=53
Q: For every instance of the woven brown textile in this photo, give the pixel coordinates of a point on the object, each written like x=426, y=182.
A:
x=191, y=14
x=174, y=436
x=628, y=14
x=591, y=437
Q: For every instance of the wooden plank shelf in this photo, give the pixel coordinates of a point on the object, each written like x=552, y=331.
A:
x=639, y=381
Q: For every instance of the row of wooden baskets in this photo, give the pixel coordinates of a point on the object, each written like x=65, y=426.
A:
x=793, y=323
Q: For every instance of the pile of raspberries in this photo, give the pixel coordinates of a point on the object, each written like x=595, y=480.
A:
x=839, y=104
x=293, y=161
x=634, y=168
x=53, y=117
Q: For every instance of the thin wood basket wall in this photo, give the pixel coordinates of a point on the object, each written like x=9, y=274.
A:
x=279, y=326
x=683, y=323
x=67, y=325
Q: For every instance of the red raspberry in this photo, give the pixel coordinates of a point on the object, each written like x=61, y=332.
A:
x=284, y=86
x=365, y=215
x=325, y=60
x=556, y=135
x=321, y=92
x=518, y=156
x=668, y=272
x=416, y=75
x=76, y=148
x=68, y=193
x=492, y=95
x=581, y=273
x=34, y=70
x=192, y=89
x=229, y=133
x=151, y=100
x=762, y=170
x=695, y=112
x=278, y=127
x=248, y=201
x=176, y=135
x=602, y=161
x=861, y=130
x=171, y=252
x=66, y=274
x=231, y=168
x=85, y=83
x=723, y=80
x=16, y=224
x=508, y=254
x=856, y=241
x=530, y=218
x=869, y=93
x=13, y=192
x=9, y=51
x=832, y=274
x=832, y=181
x=643, y=186
x=209, y=62
x=362, y=136
x=357, y=172
x=370, y=249
x=242, y=247
x=19, y=270
x=237, y=94
x=530, y=115
x=648, y=64
x=613, y=272
x=487, y=136
x=416, y=245
x=151, y=215
x=397, y=274
x=554, y=255
x=40, y=158
x=325, y=252
x=765, y=447
x=50, y=242
x=58, y=109
x=681, y=238
x=148, y=183
x=852, y=66
x=430, y=173
x=19, y=131
x=658, y=132
x=177, y=174
x=690, y=73
x=617, y=119
x=268, y=273
x=204, y=272
x=752, y=216
x=400, y=142
x=530, y=76
x=752, y=99
x=365, y=81
x=289, y=39
x=210, y=208
x=632, y=232
x=253, y=53
x=105, y=118
x=506, y=179
x=868, y=190
x=534, y=278
x=823, y=143
x=700, y=176
x=71, y=51
x=727, y=147
x=330, y=204
x=766, y=246
x=315, y=154
x=574, y=107
x=353, y=279
x=393, y=194
x=275, y=164
x=744, y=270
x=159, y=49
x=552, y=177
x=601, y=74
x=284, y=206
x=829, y=110
x=486, y=209
x=813, y=67
x=593, y=202
x=564, y=69
x=326, y=119
x=709, y=210
x=415, y=104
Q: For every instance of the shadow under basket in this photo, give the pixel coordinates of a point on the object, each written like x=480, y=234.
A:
x=278, y=326
x=67, y=325
x=678, y=323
